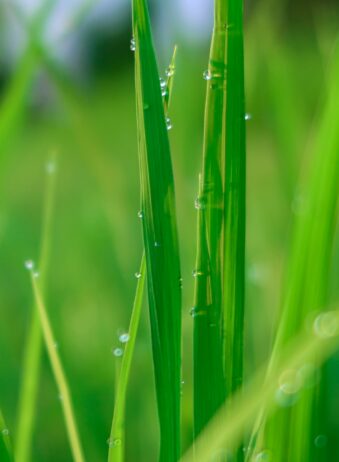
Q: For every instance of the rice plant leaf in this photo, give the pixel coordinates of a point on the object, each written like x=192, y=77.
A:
x=235, y=200
x=117, y=436
x=209, y=382
x=160, y=234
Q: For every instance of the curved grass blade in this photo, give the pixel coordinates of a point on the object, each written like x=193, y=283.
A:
x=209, y=382
x=236, y=416
x=58, y=372
x=160, y=234
x=308, y=275
x=32, y=350
x=117, y=436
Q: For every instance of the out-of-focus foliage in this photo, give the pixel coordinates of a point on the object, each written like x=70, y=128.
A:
x=89, y=118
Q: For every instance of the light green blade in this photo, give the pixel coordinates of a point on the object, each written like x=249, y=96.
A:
x=308, y=276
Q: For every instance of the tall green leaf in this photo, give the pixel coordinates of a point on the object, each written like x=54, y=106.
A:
x=160, y=234
x=209, y=384
x=235, y=200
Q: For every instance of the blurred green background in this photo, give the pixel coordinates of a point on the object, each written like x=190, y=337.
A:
x=77, y=98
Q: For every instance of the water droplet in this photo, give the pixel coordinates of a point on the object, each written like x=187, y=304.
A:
x=207, y=75
x=194, y=312
x=137, y=275
x=169, y=125
x=60, y=396
x=263, y=456
x=156, y=244
x=140, y=214
x=50, y=167
x=285, y=399
x=132, y=44
x=199, y=203
x=180, y=282
x=320, y=441
x=248, y=116
x=5, y=432
x=169, y=72
x=118, y=352
x=326, y=325
x=196, y=273
x=36, y=274
x=29, y=264
x=113, y=442
x=162, y=83
x=164, y=92
x=124, y=338
x=56, y=345
x=146, y=106
x=290, y=382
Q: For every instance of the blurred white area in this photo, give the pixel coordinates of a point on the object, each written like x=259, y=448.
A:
x=70, y=21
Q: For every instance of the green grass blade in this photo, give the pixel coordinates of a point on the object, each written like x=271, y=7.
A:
x=235, y=200
x=117, y=436
x=116, y=440
x=209, y=383
x=160, y=234
x=32, y=350
x=235, y=417
x=170, y=72
x=58, y=372
x=308, y=273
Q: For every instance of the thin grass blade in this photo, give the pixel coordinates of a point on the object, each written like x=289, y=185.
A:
x=33, y=347
x=117, y=436
x=58, y=372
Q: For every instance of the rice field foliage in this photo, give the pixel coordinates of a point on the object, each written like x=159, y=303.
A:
x=226, y=178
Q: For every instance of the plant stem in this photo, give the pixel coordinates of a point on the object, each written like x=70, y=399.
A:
x=58, y=373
